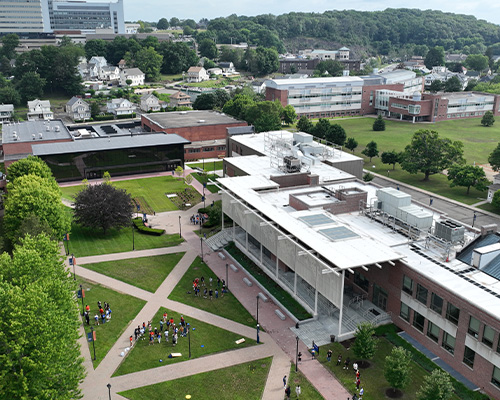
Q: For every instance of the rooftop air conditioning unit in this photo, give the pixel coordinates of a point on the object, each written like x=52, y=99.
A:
x=449, y=231
x=40, y=135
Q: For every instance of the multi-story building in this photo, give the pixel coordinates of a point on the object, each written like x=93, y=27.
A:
x=350, y=251
x=24, y=16
x=39, y=110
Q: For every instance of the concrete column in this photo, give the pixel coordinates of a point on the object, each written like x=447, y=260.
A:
x=400, y=117
x=413, y=119
x=246, y=240
x=316, y=294
x=341, y=303
x=222, y=227
x=261, y=254
x=295, y=283
x=234, y=231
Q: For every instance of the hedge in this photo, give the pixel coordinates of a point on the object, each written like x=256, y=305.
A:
x=144, y=229
x=124, y=116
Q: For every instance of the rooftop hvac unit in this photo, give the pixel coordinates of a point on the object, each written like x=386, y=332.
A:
x=40, y=135
x=292, y=164
x=449, y=231
x=47, y=128
x=57, y=128
x=33, y=136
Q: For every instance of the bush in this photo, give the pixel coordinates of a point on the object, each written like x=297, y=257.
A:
x=125, y=116
x=368, y=177
x=379, y=124
x=146, y=230
x=104, y=117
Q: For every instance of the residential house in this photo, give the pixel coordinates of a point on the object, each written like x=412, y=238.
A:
x=99, y=61
x=180, y=99
x=259, y=86
x=197, y=74
x=78, y=109
x=133, y=74
x=120, y=107
x=6, y=112
x=122, y=64
x=227, y=67
x=109, y=73
x=214, y=71
x=94, y=66
x=39, y=110
x=149, y=102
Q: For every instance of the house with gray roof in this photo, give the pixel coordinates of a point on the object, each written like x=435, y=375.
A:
x=6, y=112
x=39, y=110
x=149, y=102
x=133, y=74
x=78, y=109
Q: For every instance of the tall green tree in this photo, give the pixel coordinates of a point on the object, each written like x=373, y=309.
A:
x=390, y=157
x=351, y=144
x=322, y=128
x=208, y=48
x=289, y=115
x=336, y=134
x=365, y=342
x=477, y=62
x=488, y=119
x=95, y=47
x=238, y=106
x=9, y=95
x=305, y=124
x=430, y=154
x=494, y=158
x=436, y=386
x=467, y=176
x=436, y=86
x=397, y=368
x=265, y=115
x=9, y=44
x=379, y=124
x=267, y=61
x=177, y=57
x=496, y=199
x=103, y=206
x=371, y=150
x=162, y=24
x=434, y=57
x=29, y=165
x=453, y=85
x=30, y=86
x=329, y=68
x=148, y=61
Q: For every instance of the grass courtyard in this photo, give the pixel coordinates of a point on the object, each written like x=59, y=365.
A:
x=145, y=272
x=240, y=382
x=228, y=306
x=208, y=166
x=124, y=309
x=204, y=178
x=205, y=339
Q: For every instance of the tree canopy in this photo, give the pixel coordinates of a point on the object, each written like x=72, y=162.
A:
x=430, y=154
x=488, y=119
x=103, y=206
x=29, y=165
x=371, y=150
x=397, y=369
x=436, y=386
x=379, y=124
x=434, y=57
x=365, y=343
x=208, y=48
x=390, y=157
x=351, y=144
x=494, y=158
x=305, y=124
x=467, y=176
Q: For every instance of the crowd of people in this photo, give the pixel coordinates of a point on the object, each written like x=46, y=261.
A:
x=102, y=315
x=357, y=372
x=211, y=291
x=168, y=329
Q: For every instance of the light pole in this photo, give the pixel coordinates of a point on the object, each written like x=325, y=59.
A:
x=81, y=293
x=189, y=338
x=297, y=354
x=74, y=274
x=257, y=309
x=180, y=232
x=258, y=329
x=227, y=278
x=201, y=245
x=109, y=390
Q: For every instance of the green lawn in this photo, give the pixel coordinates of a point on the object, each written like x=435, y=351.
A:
x=307, y=390
x=203, y=178
x=489, y=207
x=227, y=306
x=84, y=242
x=145, y=272
x=124, y=309
x=280, y=294
x=244, y=381
x=205, y=339
x=152, y=190
x=208, y=166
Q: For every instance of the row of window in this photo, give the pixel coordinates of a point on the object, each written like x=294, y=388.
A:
x=472, y=114
x=205, y=149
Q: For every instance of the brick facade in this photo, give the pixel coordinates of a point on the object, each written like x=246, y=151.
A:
x=276, y=94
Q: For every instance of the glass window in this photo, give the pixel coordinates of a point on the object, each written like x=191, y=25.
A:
x=405, y=312
x=452, y=313
x=433, y=331
x=422, y=294
x=488, y=335
x=449, y=342
x=436, y=303
x=474, y=327
x=498, y=345
x=495, y=379
x=408, y=285
x=469, y=355
x=418, y=321
x=361, y=281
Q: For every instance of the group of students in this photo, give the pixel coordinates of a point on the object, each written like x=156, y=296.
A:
x=208, y=293
x=179, y=330
x=288, y=390
x=103, y=314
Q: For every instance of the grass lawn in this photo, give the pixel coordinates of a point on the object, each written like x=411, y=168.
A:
x=84, y=242
x=280, y=294
x=205, y=339
x=124, y=308
x=145, y=272
x=228, y=306
x=372, y=378
x=152, y=190
x=244, y=381
x=208, y=166
x=489, y=207
x=307, y=390
x=203, y=178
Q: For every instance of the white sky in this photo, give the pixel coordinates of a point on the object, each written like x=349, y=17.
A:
x=153, y=10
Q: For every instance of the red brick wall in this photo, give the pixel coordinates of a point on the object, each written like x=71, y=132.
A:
x=276, y=94
x=366, y=108
x=426, y=107
x=289, y=180
x=204, y=154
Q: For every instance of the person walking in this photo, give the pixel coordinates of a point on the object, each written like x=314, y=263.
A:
x=358, y=382
x=288, y=391
x=329, y=355
x=361, y=393
x=339, y=359
x=347, y=362
x=284, y=382
x=298, y=391
x=131, y=340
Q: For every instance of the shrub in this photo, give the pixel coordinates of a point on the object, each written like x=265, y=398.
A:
x=146, y=230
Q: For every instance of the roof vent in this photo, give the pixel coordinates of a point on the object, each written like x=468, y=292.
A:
x=40, y=136
x=14, y=136
x=57, y=129
x=33, y=136
x=201, y=121
x=47, y=128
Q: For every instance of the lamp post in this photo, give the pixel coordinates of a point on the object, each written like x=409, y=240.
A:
x=81, y=293
x=258, y=329
x=297, y=354
x=109, y=390
x=133, y=236
x=74, y=274
x=189, y=338
x=227, y=278
x=257, y=309
x=180, y=232
x=201, y=245
x=93, y=339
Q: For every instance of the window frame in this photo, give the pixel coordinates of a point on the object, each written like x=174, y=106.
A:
x=415, y=323
x=468, y=360
x=488, y=342
x=406, y=289
x=434, y=307
x=420, y=290
x=446, y=345
x=430, y=334
x=495, y=380
x=449, y=315
x=407, y=319
x=470, y=330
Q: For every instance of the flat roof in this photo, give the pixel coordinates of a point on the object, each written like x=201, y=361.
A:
x=109, y=143
x=315, y=81
x=184, y=119
x=49, y=130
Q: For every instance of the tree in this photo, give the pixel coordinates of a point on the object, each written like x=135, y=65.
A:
x=390, y=157
x=467, y=176
x=379, y=124
x=397, y=369
x=365, y=343
x=30, y=86
x=38, y=324
x=94, y=109
x=289, y=115
x=177, y=57
x=188, y=179
x=31, y=194
x=496, y=199
x=238, y=106
x=322, y=128
x=351, y=144
x=436, y=86
x=453, y=85
x=207, y=48
x=179, y=170
x=336, y=134
x=204, y=101
x=436, y=386
x=9, y=95
x=434, y=57
x=162, y=24
x=9, y=44
x=149, y=62
x=488, y=119
x=267, y=61
x=103, y=206
x=494, y=158
x=29, y=165
x=371, y=150
x=477, y=62
x=265, y=115
x=305, y=124
x=95, y=47
x=329, y=67
x=430, y=154
x=174, y=22
x=33, y=226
